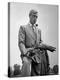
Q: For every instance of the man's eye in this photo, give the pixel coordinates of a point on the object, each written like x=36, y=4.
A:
x=35, y=16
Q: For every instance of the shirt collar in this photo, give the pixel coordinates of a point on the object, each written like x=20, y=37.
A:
x=31, y=25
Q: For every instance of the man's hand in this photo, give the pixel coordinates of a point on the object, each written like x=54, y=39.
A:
x=28, y=50
x=46, y=47
x=52, y=49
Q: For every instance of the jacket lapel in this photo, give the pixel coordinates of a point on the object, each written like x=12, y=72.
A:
x=31, y=32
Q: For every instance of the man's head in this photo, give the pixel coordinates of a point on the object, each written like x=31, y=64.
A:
x=33, y=16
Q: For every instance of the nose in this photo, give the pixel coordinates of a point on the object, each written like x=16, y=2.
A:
x=35, y=18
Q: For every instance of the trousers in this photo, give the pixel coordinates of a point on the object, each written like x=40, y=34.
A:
x=26, y=67
x=32, y=68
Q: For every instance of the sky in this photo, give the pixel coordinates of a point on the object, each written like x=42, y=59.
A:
x=47, y=22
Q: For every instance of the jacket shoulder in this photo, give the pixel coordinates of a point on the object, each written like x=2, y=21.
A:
x=22, y=28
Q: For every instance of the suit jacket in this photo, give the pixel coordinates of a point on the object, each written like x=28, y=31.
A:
x=29, y=37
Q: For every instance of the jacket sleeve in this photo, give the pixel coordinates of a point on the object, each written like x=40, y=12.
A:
x=21, y=35
x=21, y=39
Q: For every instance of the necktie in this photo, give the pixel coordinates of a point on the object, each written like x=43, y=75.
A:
x=34, y=30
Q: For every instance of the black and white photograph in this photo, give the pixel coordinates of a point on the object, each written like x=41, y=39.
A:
x=32, y=39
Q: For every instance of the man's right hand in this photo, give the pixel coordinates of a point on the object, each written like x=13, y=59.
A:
x=30, y=49
x=27, y=51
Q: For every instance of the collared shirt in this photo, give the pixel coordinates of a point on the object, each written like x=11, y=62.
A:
x=33, y=26
x=34, y=29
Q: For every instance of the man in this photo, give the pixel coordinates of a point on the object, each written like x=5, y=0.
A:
x=35, y=62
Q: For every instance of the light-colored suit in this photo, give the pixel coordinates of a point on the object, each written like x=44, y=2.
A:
x=29, y=38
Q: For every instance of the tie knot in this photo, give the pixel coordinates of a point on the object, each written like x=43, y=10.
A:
x=34, y=28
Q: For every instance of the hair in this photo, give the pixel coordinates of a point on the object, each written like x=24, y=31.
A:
x=33, y=12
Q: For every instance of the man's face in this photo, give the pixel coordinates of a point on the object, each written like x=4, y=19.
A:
x=33, y=19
